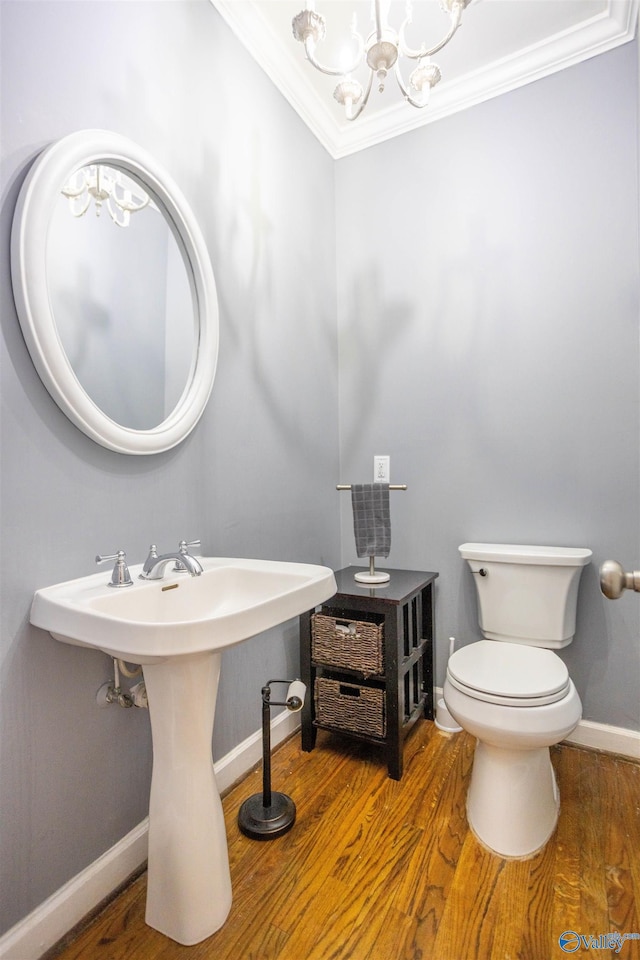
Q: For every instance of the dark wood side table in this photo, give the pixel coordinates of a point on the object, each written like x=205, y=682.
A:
x=406, y=607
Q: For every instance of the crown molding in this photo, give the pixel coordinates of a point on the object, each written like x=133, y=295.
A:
x=257, y=35
x=604, y=31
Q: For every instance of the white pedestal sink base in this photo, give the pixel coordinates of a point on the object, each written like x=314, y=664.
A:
x=189, y=884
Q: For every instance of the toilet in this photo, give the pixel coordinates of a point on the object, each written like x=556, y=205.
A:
x=513, y=693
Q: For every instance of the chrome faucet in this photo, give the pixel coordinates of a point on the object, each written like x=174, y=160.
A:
x=154, y=565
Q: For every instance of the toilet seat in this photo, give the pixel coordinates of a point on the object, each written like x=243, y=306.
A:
x=509, y=674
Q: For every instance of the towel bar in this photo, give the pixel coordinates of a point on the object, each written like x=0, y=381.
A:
x=392, y=486
x=372, y=576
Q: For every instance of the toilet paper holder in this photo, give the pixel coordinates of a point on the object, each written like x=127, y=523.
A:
x=267, y=815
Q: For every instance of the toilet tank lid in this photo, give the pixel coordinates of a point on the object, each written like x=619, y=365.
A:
x=525, y=553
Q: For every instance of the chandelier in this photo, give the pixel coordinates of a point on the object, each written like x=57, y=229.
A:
x=107, y=188
x=381, y=51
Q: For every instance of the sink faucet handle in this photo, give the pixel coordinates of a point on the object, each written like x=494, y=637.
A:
x=183, y=547
x=185, y=544
x=120, y=576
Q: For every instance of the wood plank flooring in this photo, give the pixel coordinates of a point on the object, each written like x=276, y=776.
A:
x=376, y=869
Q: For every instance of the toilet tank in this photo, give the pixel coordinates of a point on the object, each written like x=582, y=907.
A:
x=526, y=594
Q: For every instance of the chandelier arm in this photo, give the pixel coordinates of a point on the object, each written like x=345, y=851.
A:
x=67, y=191
x=407, y=51
x=405, y=90
x=128, y=206
x=114, y=216
x=76, y=209
x=333, y=71
x=125, y=198
x=363, y=102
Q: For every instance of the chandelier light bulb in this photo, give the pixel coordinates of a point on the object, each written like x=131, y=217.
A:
x=308, y=26
x=348, y=93
x=425, y=76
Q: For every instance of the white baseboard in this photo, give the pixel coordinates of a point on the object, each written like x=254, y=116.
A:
x=600, y=736
x=43, y=927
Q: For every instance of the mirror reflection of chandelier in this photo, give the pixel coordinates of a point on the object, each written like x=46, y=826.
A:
x=107, y=187
x=381, y=52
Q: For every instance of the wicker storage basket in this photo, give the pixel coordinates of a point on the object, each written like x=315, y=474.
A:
x=350, y=706
x=353, y=644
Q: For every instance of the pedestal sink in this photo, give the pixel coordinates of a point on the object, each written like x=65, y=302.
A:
x=176, y=628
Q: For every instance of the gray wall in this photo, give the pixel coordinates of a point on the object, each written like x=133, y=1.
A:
x=488, y=341
x=256, y=476
x=488, y=314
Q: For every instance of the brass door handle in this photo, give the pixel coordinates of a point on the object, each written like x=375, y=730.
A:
x=614, y=581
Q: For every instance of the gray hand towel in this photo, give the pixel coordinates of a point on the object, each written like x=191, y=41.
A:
x=371, y=519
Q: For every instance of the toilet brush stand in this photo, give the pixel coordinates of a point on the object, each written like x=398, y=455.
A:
x=268, y=815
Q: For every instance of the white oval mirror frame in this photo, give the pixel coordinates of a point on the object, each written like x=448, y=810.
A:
x=38, y=195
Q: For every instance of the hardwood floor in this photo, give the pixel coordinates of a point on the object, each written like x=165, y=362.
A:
x=376, y=869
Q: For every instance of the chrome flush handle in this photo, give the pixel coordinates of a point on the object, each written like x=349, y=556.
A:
x=614, y=581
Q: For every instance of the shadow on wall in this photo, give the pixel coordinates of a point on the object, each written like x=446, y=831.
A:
x=422, y=340
x=280, y=331
x=371, y=333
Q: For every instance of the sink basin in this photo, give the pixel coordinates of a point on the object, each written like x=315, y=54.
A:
x=232, y=600
x=177, y=628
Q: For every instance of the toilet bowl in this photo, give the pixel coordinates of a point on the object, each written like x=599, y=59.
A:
x=513, y=693
x=512, y=803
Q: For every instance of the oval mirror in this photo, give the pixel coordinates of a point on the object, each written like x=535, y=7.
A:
x=115, y=292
